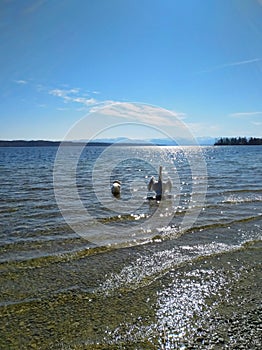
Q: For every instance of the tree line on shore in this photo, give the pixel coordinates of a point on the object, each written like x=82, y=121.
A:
x=232, y=141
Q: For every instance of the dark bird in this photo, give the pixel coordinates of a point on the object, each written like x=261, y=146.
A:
x=116, y=188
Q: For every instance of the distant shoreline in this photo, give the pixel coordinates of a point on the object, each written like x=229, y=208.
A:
x=43, y=143
x=238, y=141
x=252, y=141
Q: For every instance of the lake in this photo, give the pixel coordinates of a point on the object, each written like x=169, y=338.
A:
x=82, y=269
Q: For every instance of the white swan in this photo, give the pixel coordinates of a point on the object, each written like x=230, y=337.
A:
x=160, y=187
x=116, y=188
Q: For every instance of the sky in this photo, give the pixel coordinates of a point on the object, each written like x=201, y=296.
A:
x=62, y=60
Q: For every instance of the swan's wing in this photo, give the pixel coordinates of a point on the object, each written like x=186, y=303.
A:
x=151, y=183
x=168, y=185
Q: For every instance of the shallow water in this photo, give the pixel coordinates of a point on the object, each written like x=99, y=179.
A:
x=58, y=285
x=228, y=189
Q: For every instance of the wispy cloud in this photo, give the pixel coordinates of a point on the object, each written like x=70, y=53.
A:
x=257, y=123
x=125, y=111
x=84, y=101
x=63, y=93
x=240, y=63
x=245, y=114
x=34, y=6
x=83, y=98
x=140, y=113
x=73, y=95
x=21, y=82
x=61, y=109
x=232, y=64
x=199, y=129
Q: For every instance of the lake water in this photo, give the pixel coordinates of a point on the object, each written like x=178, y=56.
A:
x=63, y=232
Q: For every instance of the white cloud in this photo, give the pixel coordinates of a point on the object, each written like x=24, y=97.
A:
x=245, y=114
x=34, y=7
x=72, y=95
x=240, y=63
x=180, y=115
x=132, y=120
x=62, y=109
x=139, y=113
x=101, y=105
x=21, y=82
x=200, y=129
x=232, y=64
x=248, y=123
x=57, y=92
x=84, y=101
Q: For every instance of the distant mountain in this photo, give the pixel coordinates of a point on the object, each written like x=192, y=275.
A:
x=124, y=140
x=159, y=141
x=163, y=142
x=206, y=140
x=117, y=140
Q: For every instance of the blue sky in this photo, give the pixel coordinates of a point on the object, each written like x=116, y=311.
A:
x=200, y=59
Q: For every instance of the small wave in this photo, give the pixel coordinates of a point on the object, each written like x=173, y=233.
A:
x=243, y=190
x=27, y=252
x=147, y=268
x=29, y=259
x=172, y=232
x=118, y=218
x=235, y=199
x=8, y=210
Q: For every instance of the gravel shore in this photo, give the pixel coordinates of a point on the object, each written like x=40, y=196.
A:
x=236, y=321
x=213, y=302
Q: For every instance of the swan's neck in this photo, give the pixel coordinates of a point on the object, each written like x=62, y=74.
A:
x=160, y=174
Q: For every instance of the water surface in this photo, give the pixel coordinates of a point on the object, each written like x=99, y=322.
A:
x=45, y=262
